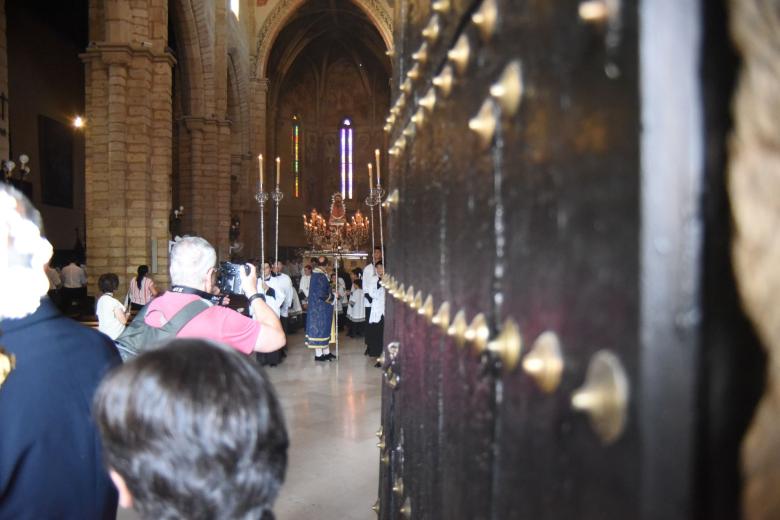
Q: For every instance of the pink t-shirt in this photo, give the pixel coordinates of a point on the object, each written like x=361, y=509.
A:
x=215, y=323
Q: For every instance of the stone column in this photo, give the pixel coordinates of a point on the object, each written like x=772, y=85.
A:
x=128, y=159
x=191, y=182
x=222, y=221
x=250, y=215
x=161, y=163
x=205, y=189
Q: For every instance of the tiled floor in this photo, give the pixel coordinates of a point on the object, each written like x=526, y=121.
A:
x=332, y=411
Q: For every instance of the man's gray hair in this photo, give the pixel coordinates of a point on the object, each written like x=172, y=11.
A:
x=24, y=252
x=191, y=258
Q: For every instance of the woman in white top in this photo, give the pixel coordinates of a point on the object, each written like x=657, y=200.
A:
x=142, y=289
x=111, y=314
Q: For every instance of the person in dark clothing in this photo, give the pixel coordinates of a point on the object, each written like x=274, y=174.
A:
x=344, y=275
x=50, y=453
x=222, y=455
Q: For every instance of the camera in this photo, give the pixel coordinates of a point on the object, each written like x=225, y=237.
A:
x=229, y=277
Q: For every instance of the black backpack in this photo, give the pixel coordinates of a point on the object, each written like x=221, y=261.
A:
x=139, y=337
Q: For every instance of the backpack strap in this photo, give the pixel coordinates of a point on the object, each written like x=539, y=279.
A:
x=184, y=316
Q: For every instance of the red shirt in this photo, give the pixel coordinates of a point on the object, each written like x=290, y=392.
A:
x=215, y=323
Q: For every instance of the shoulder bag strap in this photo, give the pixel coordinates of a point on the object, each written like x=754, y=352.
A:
x=184, y=316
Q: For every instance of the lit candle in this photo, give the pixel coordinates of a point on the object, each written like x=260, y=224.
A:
x=277, y=172
x=260, y=159
x=378, y=180
x=370, y=176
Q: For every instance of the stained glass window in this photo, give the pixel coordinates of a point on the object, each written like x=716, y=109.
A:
x=296, y=154
x=346, y=158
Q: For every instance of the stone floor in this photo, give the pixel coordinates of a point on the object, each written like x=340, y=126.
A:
x=332, y=411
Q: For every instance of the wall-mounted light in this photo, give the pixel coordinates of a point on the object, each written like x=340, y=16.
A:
x=78, y=122
x=21, y=173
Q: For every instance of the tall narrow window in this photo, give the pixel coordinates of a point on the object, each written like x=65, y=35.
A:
x=346, y=158
x=234, y=6
x=296, y=154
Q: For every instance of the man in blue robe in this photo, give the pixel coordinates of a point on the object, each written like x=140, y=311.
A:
x=319, y=315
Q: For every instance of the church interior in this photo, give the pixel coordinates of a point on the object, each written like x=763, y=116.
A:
x=574, y=201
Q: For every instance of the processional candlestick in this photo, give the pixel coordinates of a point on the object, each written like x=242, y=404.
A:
x=375, y=196
x=261, y=197
x=277, y=197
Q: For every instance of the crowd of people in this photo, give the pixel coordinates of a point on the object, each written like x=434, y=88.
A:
x=86, y=415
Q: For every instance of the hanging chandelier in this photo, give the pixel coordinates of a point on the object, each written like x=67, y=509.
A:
x=336, y=233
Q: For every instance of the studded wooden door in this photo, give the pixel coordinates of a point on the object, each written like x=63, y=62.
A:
x=544, y=258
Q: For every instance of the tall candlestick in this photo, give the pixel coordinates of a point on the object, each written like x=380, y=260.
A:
x=370, y=177
x=378, y=174
x=277, y=172
x=260, y=159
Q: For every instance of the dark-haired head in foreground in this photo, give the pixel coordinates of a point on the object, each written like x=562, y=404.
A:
x=193, y=430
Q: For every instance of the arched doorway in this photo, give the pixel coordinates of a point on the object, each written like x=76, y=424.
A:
x=327, y=63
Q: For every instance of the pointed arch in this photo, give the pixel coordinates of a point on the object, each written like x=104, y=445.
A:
x=376, y=11
x=191, y=51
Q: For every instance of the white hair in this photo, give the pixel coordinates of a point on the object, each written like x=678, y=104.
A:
x=23, y=254
x=191, y=258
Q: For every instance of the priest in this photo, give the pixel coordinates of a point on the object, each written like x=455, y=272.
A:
x=319, y=315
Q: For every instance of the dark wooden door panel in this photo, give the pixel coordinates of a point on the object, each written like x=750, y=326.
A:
x=573, y=212
x=542, y=223
x=467, y=436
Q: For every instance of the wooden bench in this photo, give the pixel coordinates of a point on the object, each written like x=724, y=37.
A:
x=91, y=321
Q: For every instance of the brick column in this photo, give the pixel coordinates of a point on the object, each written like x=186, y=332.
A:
x=210, y=183
x=161, y=163
x=249, y=209
x=191, y=182
x=128, y=159
x=205, y=189
x=222, y=244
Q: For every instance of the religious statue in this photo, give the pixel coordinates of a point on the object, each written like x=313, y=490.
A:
x=338, y=214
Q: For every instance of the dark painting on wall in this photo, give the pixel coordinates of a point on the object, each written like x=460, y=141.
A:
x=55, y=149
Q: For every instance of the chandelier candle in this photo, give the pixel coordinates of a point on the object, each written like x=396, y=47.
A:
x=376, y=155
x=277, y=172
